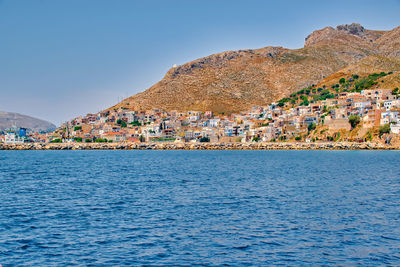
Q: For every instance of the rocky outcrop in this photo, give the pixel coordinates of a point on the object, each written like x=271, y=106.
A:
x=354, y=28
x=347, y=32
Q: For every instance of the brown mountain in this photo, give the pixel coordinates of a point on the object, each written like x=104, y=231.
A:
x=234, y=81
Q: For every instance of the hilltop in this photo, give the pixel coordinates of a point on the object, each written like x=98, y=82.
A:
x=14, y=120
x=234, y=81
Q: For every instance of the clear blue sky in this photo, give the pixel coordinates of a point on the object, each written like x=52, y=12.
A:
x=61, y=59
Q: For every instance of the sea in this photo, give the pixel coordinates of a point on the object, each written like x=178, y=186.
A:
x=199, y=208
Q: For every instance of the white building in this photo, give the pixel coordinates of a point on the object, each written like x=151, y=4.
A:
x=389, y=116
x=12, y=138
x=389, y=104
x=395, y=128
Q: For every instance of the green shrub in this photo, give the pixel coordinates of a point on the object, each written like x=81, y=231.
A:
x=384, y=129
x=58, y=140
x=77, y=128
x=337, y=136
x=163, y=139
x=78, y=139
x=303, y=97
x=368, y=136
x=136, y=123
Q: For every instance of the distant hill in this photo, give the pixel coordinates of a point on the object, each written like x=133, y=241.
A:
x=234, y=81
x=14, y=120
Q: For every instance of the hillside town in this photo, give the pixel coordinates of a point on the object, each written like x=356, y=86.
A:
x=310, y=115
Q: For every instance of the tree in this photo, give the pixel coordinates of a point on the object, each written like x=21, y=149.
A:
x=312, y=126
x=384, y=129
x=77, y=128
x=121, y=122
x=305, y=103
x=305, y=100
x=342, y=80
x=282, y=102
x=204, y=139
x=354, y=120
x=256, y=139
x=141, y=138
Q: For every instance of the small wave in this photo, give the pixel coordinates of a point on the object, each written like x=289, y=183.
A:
x=389, y=238
x=272, y=243
x=242, y=247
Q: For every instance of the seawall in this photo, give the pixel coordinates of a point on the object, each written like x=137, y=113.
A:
x=200, y=146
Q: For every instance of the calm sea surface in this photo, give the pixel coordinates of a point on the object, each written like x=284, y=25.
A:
x=127, y=208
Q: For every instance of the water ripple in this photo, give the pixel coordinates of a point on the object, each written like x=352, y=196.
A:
x=213, y=208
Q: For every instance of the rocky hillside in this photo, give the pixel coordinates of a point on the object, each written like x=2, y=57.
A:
x=234, y=81
x=14, y=120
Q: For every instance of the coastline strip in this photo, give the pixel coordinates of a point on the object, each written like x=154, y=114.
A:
x=200, y=146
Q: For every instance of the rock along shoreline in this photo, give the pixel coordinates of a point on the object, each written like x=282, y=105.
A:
x=200, y=146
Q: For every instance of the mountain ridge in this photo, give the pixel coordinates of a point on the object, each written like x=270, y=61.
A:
x=10, y=120
x=233, y=81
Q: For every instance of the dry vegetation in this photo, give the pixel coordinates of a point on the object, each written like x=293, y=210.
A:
x=234, y=81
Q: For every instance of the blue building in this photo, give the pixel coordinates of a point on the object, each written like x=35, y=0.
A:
x=22, y=132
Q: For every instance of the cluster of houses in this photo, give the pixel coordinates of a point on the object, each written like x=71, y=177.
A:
x=22, y=135
x=274, y=122
x=375, y=107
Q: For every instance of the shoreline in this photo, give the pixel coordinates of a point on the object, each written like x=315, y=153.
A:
x=200, y=146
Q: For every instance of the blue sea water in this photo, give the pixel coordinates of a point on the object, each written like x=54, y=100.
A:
x=130, y=208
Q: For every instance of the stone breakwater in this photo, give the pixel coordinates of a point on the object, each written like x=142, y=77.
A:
x=198, y=146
